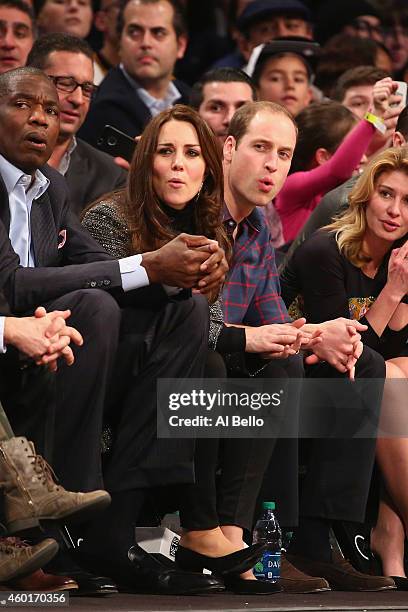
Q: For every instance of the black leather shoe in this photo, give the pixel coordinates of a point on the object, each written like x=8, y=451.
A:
x=88, y=583
x=91, y=584
x=143, y=573
x=235, y=563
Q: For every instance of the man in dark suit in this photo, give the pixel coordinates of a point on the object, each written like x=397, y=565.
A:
x=64, y=268
x=89, y=172
x=153, y=37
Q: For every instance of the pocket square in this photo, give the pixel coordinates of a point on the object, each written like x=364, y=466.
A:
x=62, y=238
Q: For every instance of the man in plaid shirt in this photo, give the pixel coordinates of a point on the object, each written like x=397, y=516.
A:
x=257, y=158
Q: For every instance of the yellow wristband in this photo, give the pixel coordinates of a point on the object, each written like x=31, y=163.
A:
x=376, y=121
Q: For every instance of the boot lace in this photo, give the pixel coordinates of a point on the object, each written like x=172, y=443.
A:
x=44, y=470
x=8, y=545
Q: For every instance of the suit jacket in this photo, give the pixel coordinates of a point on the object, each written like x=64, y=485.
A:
x=91, y=173
x=117, y=103
x=68, y=259
x=66, y=255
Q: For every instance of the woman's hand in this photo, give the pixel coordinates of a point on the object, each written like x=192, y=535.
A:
x=340, y=346
x=397, y=281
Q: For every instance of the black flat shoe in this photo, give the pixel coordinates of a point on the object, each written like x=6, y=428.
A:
x=234, y=563
x=400, y=582
x=251, y=587
x=376, y=567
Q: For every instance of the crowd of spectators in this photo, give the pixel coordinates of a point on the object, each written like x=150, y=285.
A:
x=269, y=142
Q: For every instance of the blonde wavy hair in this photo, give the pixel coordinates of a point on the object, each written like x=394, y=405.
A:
x=351, y=226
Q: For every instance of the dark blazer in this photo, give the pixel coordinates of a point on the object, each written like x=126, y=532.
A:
x=117, y=103
x=91, y=173
x=59, y=241
x=68, y=259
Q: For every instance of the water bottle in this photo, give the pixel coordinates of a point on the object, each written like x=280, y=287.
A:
x=267, y=531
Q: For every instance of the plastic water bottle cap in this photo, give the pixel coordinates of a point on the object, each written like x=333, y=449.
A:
x=269, y=505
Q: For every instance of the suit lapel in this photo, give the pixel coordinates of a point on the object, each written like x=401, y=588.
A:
x=130, y=98
x=78, y=176
x=43, y=231
x=4, y=205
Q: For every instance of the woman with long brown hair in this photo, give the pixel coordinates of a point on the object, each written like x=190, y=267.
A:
x=176, y=185
x=152, y=210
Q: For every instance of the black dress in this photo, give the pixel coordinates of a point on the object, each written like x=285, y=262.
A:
x=322, y=284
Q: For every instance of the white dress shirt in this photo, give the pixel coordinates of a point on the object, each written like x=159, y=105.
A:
x=155, y=105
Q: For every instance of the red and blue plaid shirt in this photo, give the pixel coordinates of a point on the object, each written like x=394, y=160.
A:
x=251, y=294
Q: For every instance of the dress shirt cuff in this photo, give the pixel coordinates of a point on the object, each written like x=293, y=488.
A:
x=133, y=273
x=2, y=344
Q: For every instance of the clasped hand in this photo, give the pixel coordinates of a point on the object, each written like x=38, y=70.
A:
x=43, y=337
x=340, y=344
x=280, y=340
x=191, y=262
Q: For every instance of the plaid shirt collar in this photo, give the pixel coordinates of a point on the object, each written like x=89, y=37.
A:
x=255, y=220
x=251, y=293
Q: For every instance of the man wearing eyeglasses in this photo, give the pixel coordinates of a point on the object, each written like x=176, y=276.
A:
x=89, y=173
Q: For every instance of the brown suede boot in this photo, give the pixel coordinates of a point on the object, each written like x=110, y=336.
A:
x=18, y=559
x=30, y=491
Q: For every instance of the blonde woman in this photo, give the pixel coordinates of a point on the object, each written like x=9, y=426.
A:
x=357, y=267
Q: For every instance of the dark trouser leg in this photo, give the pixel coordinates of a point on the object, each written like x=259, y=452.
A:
x=339, y=470
x=281, y=482
x=171, y=343
x=76, y=417
x=244, y=461
x=198, y=501
x=174, y=346
x=28, y=395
